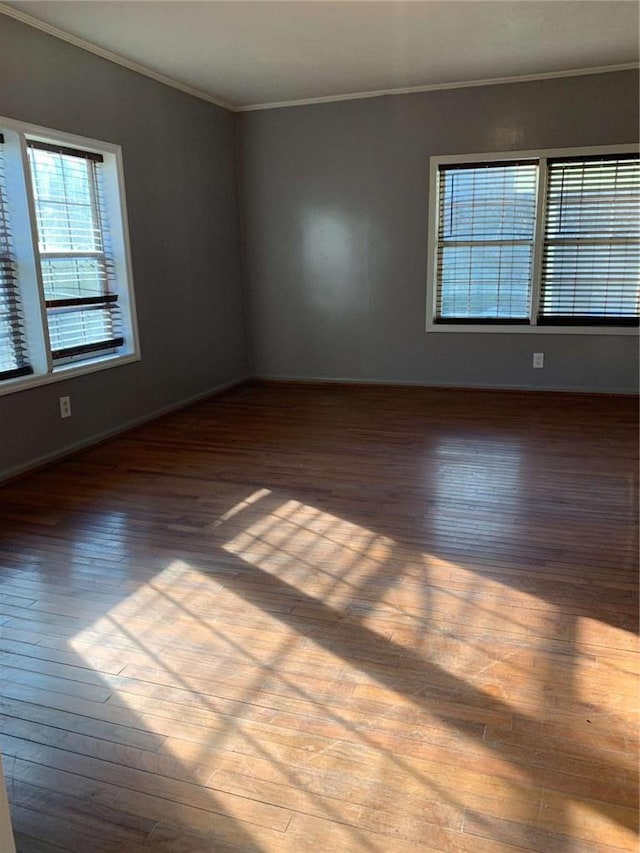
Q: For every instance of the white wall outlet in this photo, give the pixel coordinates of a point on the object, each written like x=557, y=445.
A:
x=65, y=407
x=538, y=359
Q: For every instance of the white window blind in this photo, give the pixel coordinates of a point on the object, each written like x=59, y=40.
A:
x=591, y=260
x=75, y=258
x=13, y=352
x=486, y=228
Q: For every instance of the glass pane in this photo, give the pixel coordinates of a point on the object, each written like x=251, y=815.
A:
x=76, y=328
x=66, y=278
x=8, y=351
x=488, y=203
x=591, y=260
x=591, y=280
x=65, y=202
x=13, y=351
x=593, y=200
x=486, y=228
x=485, y=281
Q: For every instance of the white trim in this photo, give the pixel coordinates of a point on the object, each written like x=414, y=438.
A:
x=65, y=371
x=433, y=194
x=110, y=56
x=34, y=257
x=432, y=242
x=116, y=58
x=450, y=386
x=116, y=202
x=73, y=140
x=538, y=240
x=438, y=87
x=77, y=446
x=522, y=329
x=535, y=154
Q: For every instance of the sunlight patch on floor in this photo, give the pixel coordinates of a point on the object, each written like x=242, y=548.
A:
x=215, y=689
x=209, y=698
x=226, y=668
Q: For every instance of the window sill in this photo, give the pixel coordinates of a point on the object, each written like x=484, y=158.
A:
x=519, y=329
x=66, y=371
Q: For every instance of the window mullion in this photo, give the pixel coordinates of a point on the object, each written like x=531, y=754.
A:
x=538, y=241
x=33, y=229
x=434, y=214
x=25, y=244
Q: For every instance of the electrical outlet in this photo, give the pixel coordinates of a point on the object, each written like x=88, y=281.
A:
x=538, y=359
x=65, y=407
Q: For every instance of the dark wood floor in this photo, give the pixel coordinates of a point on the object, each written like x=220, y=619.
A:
x=328, y=619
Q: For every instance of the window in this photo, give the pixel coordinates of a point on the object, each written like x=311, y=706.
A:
x=14, y=360
x=547, y=240
x=591, y=249
x=66, y=296
x=485, y=242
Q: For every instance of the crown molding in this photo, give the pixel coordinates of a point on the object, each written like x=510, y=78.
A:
x=112, y=57
x=273, y=105
x=437, y=87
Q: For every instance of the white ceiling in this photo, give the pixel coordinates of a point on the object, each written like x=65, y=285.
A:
x=247, y=53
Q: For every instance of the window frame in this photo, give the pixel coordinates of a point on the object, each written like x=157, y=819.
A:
x=25, y=244
x=505, y=327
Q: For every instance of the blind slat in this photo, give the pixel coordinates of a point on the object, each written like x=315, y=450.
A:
x=63, y=149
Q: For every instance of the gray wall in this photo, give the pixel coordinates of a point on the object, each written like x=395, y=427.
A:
x=180, y=182
x=335, y=207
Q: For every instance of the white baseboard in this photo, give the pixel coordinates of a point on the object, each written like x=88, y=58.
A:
x=76, y=447
x=405, y=383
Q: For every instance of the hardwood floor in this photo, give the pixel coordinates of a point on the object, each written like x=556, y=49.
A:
x=309, y=618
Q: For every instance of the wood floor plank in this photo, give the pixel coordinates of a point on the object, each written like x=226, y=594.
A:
x=297, y=618
x=80, y=812
x=191, y=793
x=62, y=832
x=29, y=844
x=95, y=727
x=209, y=822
